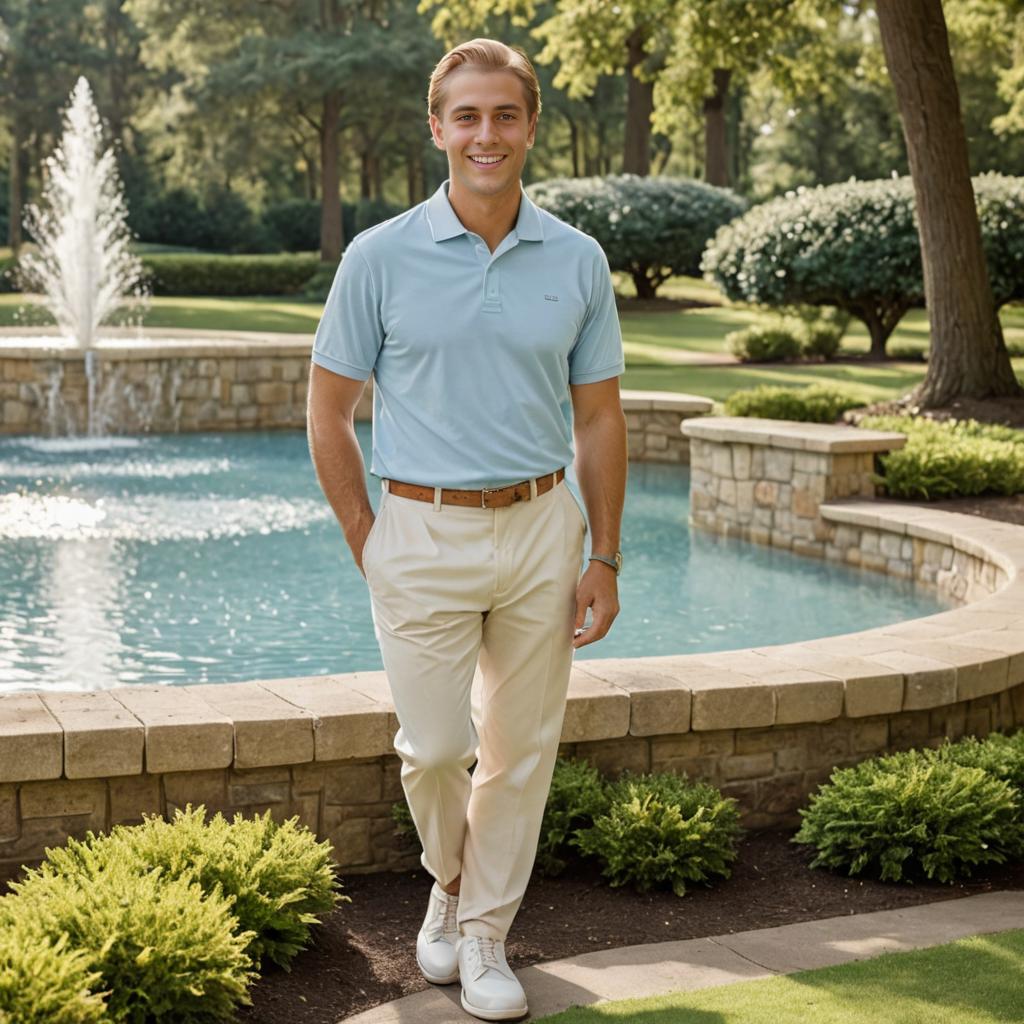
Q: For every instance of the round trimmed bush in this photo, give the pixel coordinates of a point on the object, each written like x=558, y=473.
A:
x=663, y=829
x=904, y=816
x=855, y=246
x=764, y=343
x=651, y=228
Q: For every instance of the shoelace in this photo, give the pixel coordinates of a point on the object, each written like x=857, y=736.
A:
x=488, y=957
x=451, y=919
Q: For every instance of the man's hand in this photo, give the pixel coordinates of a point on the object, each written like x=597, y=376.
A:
x=356, y=539
x=598, y=589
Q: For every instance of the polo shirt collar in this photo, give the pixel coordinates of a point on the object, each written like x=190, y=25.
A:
x=445, y=224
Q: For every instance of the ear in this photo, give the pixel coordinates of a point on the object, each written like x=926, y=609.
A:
x=436, y=130
x=532, y=132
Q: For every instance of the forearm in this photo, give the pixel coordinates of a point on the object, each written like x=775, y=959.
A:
x=338, y=461
x=601, y=467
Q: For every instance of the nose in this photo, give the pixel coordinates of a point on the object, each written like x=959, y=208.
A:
x=486, y=131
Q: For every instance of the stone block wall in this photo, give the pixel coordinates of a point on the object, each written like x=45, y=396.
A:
x=763, y=480
x=770, y=771
x=168, y=385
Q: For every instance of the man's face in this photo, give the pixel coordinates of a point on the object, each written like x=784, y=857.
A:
x=485, y=131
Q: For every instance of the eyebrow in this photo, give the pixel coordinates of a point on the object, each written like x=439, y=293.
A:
x=470, y=107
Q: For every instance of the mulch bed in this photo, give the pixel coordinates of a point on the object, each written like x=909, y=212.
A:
x=364, y=952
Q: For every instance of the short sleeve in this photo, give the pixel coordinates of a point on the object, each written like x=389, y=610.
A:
x=597, y=353
x=350, y=332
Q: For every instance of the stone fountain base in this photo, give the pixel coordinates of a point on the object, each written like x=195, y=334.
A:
x=175, y=381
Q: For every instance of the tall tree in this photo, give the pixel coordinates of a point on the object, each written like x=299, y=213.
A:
x=968, y=357
x=289, y=50
x=42, y=49
x=676, y=55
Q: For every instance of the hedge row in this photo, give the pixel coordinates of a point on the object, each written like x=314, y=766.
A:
x=213, y=274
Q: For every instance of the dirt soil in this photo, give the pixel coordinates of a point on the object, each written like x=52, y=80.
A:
x=364, y=952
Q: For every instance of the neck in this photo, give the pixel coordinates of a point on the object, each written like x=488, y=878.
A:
x=490, y=217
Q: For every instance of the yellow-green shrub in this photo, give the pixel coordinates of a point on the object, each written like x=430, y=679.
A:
x=44, y=981
x=277, y=876
x=165, y=950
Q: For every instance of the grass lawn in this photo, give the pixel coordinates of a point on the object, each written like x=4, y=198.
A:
x=653, y=341
x=972, y=981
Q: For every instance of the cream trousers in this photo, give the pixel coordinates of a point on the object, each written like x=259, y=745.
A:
x=451, y=586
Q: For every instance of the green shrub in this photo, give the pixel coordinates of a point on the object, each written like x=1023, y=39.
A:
x=904, y=815
x=816, y=403
x=44, y=981
x=764, y=343
x=1000, y=755
x=8, y=278
x=950, y=458
x=293, y=225
x=855, y=245
x=405, y=827
x=575, y=799
x=663, y=829
x=651, y=228
x=278, y=877
x=165, y=950
x=215, y=274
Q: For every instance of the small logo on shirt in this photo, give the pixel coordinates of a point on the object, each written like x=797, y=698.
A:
x=551, y=298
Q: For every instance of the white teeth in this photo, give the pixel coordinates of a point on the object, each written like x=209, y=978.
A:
x=486, y=159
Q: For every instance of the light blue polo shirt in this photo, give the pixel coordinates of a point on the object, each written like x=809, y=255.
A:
x=472, y=352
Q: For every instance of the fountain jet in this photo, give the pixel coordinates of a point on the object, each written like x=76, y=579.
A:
x=83, y=266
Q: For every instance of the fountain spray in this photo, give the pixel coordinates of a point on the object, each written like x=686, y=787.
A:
x=83, y=266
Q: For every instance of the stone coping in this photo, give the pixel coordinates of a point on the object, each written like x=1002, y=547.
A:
x=955, y=655
x=810, y=437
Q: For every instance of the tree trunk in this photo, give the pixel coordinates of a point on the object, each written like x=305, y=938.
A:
x=645, y=289
x=414, y=175
x=15, y=186
x=716, y=143
x=330, y=208
x=968, y=357
x=574, y=145
x=636, y=158
x=365, y=175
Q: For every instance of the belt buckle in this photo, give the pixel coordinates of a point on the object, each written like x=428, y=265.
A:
x=484, y=491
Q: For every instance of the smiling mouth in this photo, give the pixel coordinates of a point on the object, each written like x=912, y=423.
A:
x=490, y=161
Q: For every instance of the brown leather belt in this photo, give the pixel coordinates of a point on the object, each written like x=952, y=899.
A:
x=489, y=497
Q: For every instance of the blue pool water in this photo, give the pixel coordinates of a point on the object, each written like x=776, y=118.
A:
x=215, y=557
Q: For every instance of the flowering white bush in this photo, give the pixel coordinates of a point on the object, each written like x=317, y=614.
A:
x=651, y=228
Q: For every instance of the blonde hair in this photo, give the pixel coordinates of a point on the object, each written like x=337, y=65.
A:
x=487, y=55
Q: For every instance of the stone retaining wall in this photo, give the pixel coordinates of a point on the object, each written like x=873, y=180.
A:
x=171, y=384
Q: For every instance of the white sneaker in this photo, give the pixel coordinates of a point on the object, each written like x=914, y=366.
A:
x=435, y=944
x=490, y=990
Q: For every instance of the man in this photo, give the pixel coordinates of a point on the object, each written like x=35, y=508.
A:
x=491, y=330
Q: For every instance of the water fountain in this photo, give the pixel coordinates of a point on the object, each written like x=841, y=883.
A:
x=83, y=266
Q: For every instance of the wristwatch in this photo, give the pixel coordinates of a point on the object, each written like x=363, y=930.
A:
x=615, y=562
